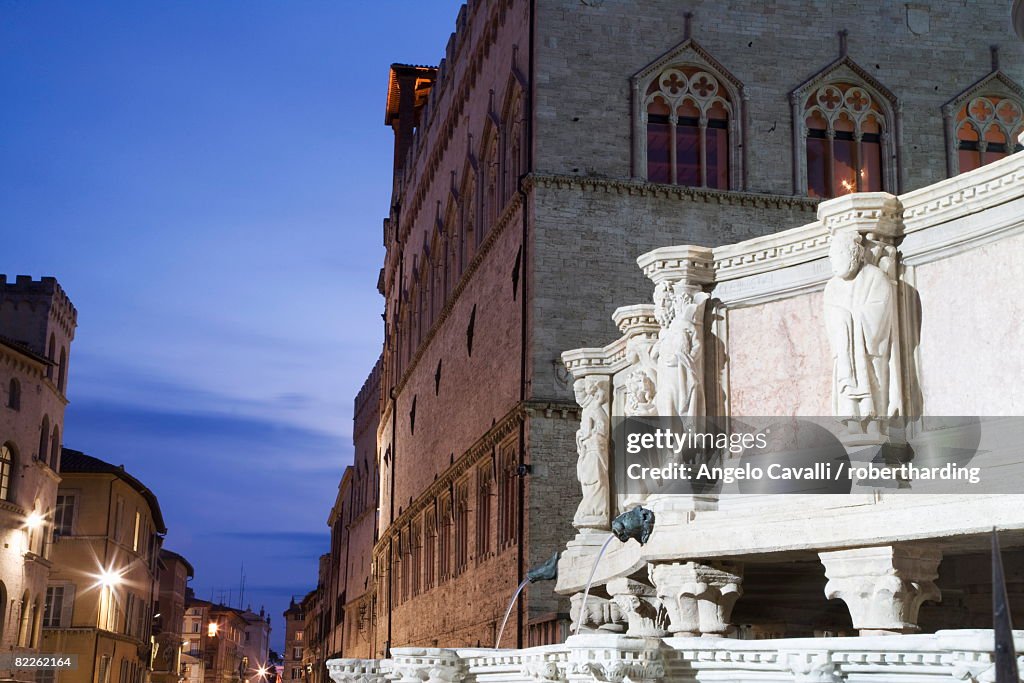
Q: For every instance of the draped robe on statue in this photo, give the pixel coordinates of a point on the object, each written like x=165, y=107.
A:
x=860, y=317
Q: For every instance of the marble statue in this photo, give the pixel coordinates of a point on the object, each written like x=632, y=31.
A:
x=678, y=352
x=861, y=322
x=640, y=385
x=592, y=451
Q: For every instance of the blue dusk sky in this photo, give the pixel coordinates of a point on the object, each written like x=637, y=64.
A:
x=207, y=181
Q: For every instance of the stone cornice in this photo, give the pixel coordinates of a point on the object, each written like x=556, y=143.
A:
x=479, y=450
x=967, y=193
x=947, y=200
x=464, y=463
x=642, y=188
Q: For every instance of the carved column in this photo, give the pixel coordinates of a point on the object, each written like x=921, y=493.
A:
x=635, y=385
x=680, y=274
x=698, y=597
x=883, y=586
x=592, y=389
x=640, y=604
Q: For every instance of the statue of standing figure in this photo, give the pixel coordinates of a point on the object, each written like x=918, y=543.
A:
x=592, y=452
x=862, y=327
x=679, y=350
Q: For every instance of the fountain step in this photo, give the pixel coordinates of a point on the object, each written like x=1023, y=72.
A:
x=946, y=655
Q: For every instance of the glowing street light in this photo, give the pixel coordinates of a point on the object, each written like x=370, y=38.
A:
x=212, y=629
x=262, y=672
x=108, y=578
x=34, y=521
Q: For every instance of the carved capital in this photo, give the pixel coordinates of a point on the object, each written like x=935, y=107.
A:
x=356, y=671
x=879, y=213
x=640, y=604
x=685, y=263
x=602, y=614
x=430, y=665
x=698, y=597
x=883, y=586
x=637, y=319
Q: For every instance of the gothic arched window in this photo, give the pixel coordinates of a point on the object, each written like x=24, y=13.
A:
x=14, y=394
x=514, y=147
x=51, y=355
x=6, y=471
x=44, y=439
x=688, y=113
x=62, y=370
x=491, y=198
x=55, y=449
x=844, y=134
x=987, y=128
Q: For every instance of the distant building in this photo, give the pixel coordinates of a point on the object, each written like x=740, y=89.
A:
x=294, y=642
x=353, y=523
x=169, y=621
x=37, y=324
x=103, y=583
x=195, y=624
x=223, y=644
x=255, y=644
x=314, y=663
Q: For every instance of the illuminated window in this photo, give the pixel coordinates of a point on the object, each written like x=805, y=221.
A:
x=135, y=537
x=54, y=607
x=987, y=128
x=688, y=115
x=844, y=141
x=109, y=609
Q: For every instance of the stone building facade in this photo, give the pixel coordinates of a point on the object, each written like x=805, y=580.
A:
x=294, y=643
x=560, y=138
x=104, y=580
x=224, y=643
x=37, y=325
x=169, y=621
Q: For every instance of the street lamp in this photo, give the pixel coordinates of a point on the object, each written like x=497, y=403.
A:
x=109, y=578
x=34, y=521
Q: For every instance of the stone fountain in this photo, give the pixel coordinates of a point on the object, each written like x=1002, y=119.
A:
x=878, y=317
